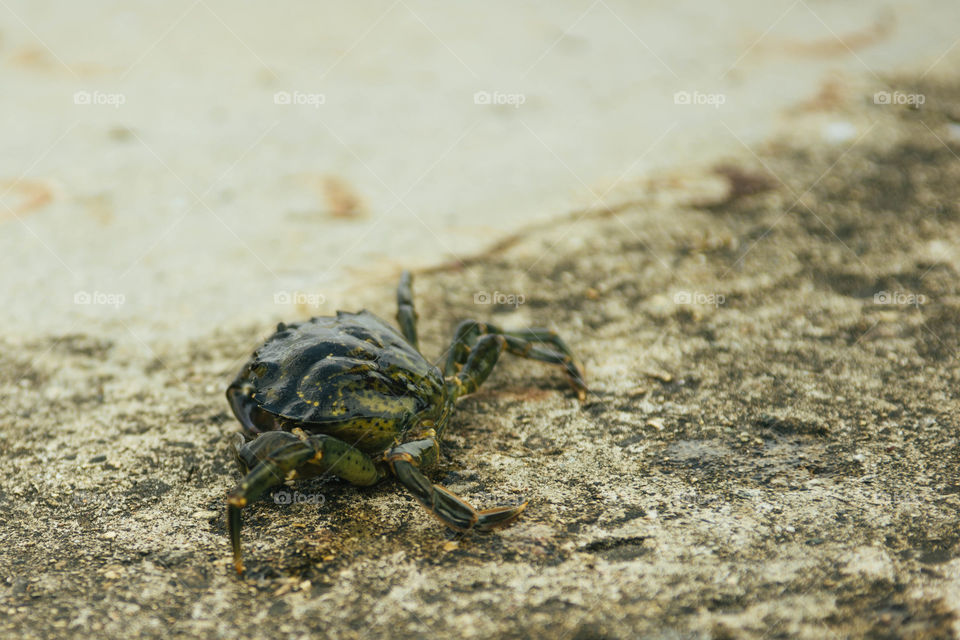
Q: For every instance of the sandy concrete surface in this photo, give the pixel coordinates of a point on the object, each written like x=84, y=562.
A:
x=769, y=448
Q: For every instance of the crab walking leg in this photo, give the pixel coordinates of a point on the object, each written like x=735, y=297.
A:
x=464, y=337
x=405, y=461
x=406, y=312
x=539, y=344
x=522, y=343
x=279, y=455
x=483, y=357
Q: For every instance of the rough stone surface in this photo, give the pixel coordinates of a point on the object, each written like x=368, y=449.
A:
x=777, y=458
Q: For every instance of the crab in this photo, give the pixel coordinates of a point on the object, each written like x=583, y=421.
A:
x=349, y=395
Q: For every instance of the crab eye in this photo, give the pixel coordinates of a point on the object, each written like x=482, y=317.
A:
x=260, y=370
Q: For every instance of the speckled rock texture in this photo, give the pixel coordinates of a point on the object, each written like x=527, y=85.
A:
x=770, y=448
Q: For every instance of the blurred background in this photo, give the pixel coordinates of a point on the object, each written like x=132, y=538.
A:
x=168, y=168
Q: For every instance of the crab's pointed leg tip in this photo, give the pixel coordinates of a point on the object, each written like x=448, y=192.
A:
x=582, y=395
x=238, y=565
x=514, y=514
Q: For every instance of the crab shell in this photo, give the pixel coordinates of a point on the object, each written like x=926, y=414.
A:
x=350, y=376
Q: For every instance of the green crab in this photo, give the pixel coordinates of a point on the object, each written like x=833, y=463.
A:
x=350, y=396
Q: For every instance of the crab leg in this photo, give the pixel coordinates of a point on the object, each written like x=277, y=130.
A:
x=405, y=461
x=483, y=356
x=521, y=343
x=279, y=455
x=539, y=344
x=406, y=313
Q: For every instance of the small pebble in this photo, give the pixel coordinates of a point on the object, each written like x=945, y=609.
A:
x=660, y=375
